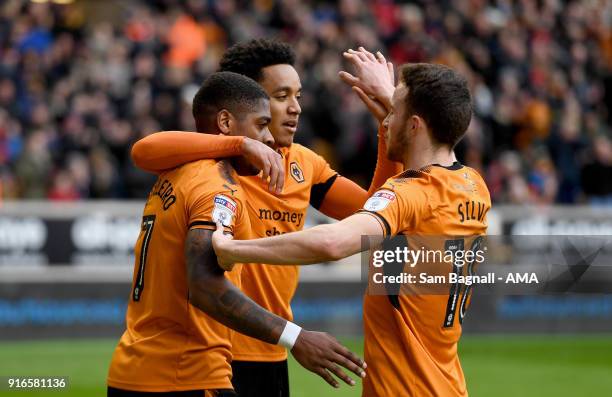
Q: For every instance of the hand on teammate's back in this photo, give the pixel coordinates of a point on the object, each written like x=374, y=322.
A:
x=373, y=76
x=322, y=354
x=268, y=161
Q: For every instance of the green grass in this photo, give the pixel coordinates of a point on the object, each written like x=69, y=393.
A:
x=494, y=366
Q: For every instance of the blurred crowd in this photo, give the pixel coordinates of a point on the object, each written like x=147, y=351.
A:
x=80, y=82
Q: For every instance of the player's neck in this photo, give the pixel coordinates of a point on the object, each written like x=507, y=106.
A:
x=284, y=146
x=242, y=166
x=429, y=154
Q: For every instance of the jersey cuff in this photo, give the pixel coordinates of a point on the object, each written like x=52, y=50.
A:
x=383, y=222
x=319, y=190
x=202, y=223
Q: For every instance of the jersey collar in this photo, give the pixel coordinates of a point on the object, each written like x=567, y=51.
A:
x=453, y=167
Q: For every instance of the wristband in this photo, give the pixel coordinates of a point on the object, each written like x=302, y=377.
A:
x=289, y=335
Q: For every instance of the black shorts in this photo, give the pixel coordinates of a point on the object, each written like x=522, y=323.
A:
x=260, y=379
x=113, y=392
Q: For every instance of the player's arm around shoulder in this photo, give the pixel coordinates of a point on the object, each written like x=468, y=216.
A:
x=165, y=150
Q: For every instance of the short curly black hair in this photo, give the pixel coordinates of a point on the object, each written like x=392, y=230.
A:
x=249, y=58
x=225, y=90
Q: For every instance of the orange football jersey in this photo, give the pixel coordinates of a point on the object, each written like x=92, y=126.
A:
x=411, y=339
x=170, y=345
x=307, y=180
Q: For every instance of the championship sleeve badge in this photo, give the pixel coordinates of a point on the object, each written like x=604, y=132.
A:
x=224, y=210
x=379, y=200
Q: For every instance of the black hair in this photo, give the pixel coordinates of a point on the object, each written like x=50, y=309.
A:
x=249, y=58
x=441, y=97
x=236, y=93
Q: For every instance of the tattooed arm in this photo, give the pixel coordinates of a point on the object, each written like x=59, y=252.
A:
x=216, y=296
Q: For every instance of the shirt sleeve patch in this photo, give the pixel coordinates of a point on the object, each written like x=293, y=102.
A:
x=224, y=209
x=379, y=200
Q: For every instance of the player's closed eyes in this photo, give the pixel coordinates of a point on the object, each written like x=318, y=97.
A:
x=284, y=97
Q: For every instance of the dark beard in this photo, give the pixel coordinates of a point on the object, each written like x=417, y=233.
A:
x=396, y=150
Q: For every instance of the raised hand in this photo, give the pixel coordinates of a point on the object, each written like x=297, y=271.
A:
x=372, y=74
x=267, y=160
x=322, y=354
x=375, y=107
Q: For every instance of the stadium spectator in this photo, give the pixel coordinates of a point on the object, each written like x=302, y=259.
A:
x=597, y=175
x=79, y=84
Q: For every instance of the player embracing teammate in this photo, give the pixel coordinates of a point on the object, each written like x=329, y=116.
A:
x=410, y=339
x=259, y=368
x=408, y=350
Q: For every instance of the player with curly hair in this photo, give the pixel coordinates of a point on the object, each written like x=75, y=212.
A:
x=260, y=369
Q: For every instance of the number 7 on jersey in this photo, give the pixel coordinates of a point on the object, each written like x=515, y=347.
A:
x=147, y=230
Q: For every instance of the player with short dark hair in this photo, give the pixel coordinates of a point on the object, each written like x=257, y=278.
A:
x=450, y=94
x=182, y=303
x=219, y=91
x=410, y=339
x=260, y=369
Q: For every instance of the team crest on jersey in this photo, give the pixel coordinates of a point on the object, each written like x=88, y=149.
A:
x=296, y=172
x=224, y=209
x=379, y=201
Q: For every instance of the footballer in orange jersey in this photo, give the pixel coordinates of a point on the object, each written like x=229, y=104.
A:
x=181, y=305
x=261, y=368
x=410, y=340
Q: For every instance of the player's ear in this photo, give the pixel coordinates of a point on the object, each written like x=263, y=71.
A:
x=415, y=123
x=225, y=121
